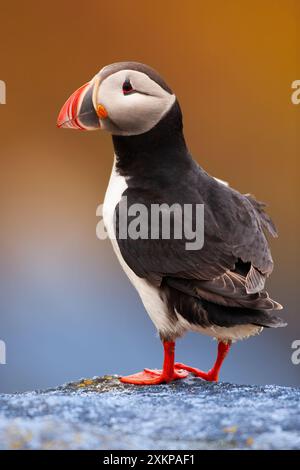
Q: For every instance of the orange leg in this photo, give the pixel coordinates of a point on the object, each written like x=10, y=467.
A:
x=213, y=374
x=155, y=377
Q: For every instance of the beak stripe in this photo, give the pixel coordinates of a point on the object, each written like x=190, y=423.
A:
x=74, y=106
x=95, y=91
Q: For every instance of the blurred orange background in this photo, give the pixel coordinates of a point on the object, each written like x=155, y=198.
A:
x=66, y=309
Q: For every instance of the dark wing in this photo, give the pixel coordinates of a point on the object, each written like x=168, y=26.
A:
x=233, y=234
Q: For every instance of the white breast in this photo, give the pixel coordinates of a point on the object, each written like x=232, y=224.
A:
x=149, y=294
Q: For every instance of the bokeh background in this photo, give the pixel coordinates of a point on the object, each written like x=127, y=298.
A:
x=66, y=308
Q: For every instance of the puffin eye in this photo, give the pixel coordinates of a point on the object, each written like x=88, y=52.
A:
x=127, y=87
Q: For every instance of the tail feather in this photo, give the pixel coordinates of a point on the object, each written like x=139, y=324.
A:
x=199, y=311
x=223, y=302
x=228, y=290
x=227, y=316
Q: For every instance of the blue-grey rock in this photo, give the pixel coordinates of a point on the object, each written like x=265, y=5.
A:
x=102, y=413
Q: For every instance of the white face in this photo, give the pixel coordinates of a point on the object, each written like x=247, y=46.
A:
x=136, y=111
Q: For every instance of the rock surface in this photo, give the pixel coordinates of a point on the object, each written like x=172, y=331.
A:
x=102, y=413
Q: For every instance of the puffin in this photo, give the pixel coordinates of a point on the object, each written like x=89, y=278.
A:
x=217, y=289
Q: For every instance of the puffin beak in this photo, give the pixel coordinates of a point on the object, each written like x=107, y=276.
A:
x=79, y=111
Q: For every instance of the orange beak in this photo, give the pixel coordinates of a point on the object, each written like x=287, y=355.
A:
x=79, y=112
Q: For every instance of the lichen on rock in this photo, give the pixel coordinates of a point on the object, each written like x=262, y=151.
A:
x=102, y=413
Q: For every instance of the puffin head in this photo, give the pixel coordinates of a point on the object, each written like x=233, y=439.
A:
x=125, y=98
